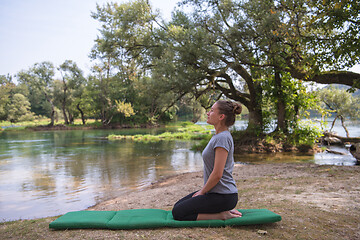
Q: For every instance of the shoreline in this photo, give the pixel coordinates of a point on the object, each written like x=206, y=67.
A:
x=315, y=201
x=192, y=181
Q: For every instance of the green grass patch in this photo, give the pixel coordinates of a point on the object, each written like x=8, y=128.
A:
x=180, y=131
x=37, y=122
x=9, y=126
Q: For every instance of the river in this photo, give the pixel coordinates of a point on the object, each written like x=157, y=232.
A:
x=49, y=173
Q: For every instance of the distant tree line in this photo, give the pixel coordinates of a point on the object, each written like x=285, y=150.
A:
x=262, y=54
x=39, y=93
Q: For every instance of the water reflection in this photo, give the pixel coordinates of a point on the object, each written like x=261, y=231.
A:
x=261, y=158
x=50, y=173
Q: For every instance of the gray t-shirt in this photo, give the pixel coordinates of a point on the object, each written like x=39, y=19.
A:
x=226, y=185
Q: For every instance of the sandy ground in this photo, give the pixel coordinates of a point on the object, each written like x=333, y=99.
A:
x=325, y=193
x=315, y=202
x=318, y=190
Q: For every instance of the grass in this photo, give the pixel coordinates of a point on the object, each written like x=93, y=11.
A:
x=9, y=126
x=181, y=131
x=37, y=122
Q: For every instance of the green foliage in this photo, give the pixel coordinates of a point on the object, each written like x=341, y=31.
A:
x=39, y=121
x=36, y=121
x=187, y=131
x=40, y=80
x=124, y=108
x=338, y=22
x=19, y=109
x=6, y=88
x=124, y=53
x=70, y=90
x=305, y=134
x=340, y=102
x=189, y=109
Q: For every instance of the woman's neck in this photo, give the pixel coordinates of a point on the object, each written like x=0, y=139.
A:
x=220, y=128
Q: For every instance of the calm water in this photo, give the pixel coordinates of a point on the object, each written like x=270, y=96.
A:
x=50, y=173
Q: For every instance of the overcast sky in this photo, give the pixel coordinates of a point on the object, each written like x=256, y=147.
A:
x=34, y=31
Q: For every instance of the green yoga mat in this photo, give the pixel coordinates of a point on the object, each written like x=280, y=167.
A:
x=153, y=218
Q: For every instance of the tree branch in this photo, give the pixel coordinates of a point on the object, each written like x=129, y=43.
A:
x=351, y=79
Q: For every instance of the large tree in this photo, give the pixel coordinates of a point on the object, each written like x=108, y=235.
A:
x=40, y=79
x=123, y=54
x=238, y=49
x=72, y=81
x=263, y=40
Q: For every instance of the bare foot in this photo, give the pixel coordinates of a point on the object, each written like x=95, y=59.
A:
x=230, y=214
x=222, y=215
x=236, y=212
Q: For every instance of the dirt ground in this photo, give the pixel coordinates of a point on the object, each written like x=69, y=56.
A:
x=315, y=202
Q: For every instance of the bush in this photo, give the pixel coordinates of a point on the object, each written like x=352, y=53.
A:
x=19, y=109
x=305, y=134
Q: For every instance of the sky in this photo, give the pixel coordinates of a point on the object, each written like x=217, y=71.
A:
x=33, y=31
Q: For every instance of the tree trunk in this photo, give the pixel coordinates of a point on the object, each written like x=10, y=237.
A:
x=81, y=113
x=103, y=117
x=52, y=115
x=71, y=118
x=343, y=139
x=64, y=113
x=281, y=111
x=103, y=109
x=333, y=123
x=64, y=102
x=255, y=119
x=343, y=125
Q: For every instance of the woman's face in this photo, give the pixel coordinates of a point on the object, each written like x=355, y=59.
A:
x=214, y=116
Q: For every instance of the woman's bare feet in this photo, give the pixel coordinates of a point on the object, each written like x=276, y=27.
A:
x=222, y=215
x=236, y=212
x=231, y=214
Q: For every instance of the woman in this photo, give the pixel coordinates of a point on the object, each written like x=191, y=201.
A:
x=218, y=196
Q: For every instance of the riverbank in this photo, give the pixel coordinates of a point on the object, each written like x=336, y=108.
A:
x=315, y=202
x=43, y=125
x=245, y=142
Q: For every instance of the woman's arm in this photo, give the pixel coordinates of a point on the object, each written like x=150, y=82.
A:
x=215, y=176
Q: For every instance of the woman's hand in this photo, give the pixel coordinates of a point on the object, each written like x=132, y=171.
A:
x=198, y=193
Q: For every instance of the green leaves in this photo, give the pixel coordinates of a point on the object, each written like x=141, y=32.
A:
x=124, y=108
x=341, y=102
x=19, y=109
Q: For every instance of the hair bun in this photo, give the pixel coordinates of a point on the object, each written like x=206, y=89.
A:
x=237, y=109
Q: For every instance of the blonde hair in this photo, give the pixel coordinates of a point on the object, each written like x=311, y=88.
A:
x=230, y=110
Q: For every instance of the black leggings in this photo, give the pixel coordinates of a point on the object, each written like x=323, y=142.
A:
x=188, y=208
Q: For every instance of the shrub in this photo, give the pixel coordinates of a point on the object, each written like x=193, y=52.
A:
x=305, y=134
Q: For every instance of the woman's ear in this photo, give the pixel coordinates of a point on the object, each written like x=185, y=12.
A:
x=222, y=116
